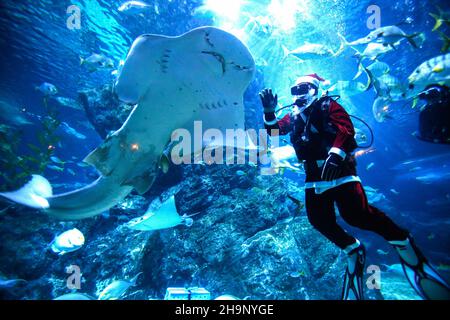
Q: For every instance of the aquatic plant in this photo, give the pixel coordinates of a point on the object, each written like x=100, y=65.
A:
x=34, y=158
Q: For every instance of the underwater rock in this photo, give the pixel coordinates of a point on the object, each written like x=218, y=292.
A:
x=245, y=242
x=103, y=109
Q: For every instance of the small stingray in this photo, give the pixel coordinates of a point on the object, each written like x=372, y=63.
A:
x=165, y=217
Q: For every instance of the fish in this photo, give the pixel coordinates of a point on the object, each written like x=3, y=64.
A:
x=391, y=87
x=311, y=51
x=12, y=116
x=133, y=7
x=382, y=252
x=57, y=160
x=433, y=71
x=75, y=296
x=426, y=170
x=373, y=195
x=69, y=103
x=205, y=64
x=374, y=51
x=283, y=158
x=71, y=131
x=418, y=164
x=431, y=236
x=67, y=241
x=370, y=166
x=165, y=217
x=97, y=61
x=347, y=88
x=377, y=69
x=55, y=168
x=432, y=177
x=395, y=268
x=240, y=173
x=297, y=274
x=361, y=153
x=394, y=192
x=82, y=164
x=440, y=18
x=117, y=288
x=47, y=89
x=387, y=36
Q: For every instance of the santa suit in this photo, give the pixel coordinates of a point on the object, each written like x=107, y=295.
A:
x=324, y=128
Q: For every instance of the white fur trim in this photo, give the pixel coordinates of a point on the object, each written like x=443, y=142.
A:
x=308, y=79
x=338, y=151
x=270, y=123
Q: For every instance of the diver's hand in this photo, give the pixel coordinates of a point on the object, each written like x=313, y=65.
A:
x=269, y=101
x=332, y=167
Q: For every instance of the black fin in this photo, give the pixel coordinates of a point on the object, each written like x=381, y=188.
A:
x=353, y=282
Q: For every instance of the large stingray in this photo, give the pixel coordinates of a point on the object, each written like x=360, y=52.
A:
x=174, y=81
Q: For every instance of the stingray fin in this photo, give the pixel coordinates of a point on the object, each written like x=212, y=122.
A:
x=34, y=194
x=141, y=183
x=105, y=157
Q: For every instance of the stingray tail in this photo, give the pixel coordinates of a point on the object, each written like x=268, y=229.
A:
x=89, y=201
x=86, y=202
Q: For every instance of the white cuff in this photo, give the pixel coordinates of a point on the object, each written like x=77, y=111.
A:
x=338, y=151
x=270, y=123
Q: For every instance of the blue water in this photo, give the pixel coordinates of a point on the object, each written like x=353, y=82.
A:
x=36, y=47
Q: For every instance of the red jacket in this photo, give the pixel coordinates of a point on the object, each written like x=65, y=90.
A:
x=329, y=130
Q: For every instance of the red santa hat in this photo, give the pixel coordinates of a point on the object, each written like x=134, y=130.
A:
x=313, y=79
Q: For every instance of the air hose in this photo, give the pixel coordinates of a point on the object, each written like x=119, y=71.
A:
x=372, y=138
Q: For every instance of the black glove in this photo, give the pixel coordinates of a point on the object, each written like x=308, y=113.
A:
x=269, y=101
x=332, y=167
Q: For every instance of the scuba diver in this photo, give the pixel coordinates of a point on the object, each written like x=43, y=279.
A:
x=434, y=117
x=322, y=135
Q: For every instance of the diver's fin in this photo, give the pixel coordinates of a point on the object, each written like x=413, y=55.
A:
x=353, y=279
x=419, y=272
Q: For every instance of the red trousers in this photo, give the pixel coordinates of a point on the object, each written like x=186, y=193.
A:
x=351, y=201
